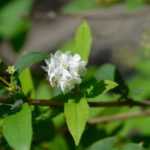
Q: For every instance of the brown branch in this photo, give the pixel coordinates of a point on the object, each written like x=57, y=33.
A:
x=122, y=116
x=129, y=103
x=52, y=103
x=103, y=119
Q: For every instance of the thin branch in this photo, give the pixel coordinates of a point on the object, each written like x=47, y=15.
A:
x=117, y=103
x=52, y=103
x=122, y=103
x=122, y=116
x=102, y=119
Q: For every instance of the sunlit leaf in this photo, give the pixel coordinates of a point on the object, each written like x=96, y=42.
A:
x=43, y=91
x=76, y=114
x=109, y=85
x=82, y=42
x=26, y=81
x=17, y=129
x=92, y=88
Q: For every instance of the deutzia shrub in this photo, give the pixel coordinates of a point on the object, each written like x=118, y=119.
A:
x=90, y=96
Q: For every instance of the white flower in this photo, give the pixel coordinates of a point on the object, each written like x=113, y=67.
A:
x=64, y=70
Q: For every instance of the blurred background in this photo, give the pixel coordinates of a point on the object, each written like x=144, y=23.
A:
x=121, y=36
x=32, y=25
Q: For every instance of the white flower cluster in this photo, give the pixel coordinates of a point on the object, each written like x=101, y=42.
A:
x=64, y=70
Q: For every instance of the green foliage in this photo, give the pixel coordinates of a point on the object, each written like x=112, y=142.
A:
x=26, y=81
x=71, y=111
x=109, y=85
x=58, y=143
x=110, y=72
x=81, y=43
x=11, y=17
x=17, y=129
x=111, y=144
x=29, y=59
x=132, y=146
x=139, y=85
x=76, y=114
x=92, y=88
x=105, y=144
x=5, y=110
x=43, y=91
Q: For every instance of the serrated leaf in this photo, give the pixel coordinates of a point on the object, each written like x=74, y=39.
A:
x=26, y=81
x=82, y=42
x=17, y=129
x=76, y=115
x=29, y=59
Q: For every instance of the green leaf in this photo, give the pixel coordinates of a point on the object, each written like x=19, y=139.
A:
x=44, y=91
x=26, y=81
x=109, y=85
x=111, y=144
x=57, y=143
x=132, y=146
x=106, y=72
x=105, y=144
x=76, y=117
x=17, y=129
x=92, y=88
x=143, y=68
x=29, y=59
x=11, y=16
x=110, y=72
x=82, y=42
